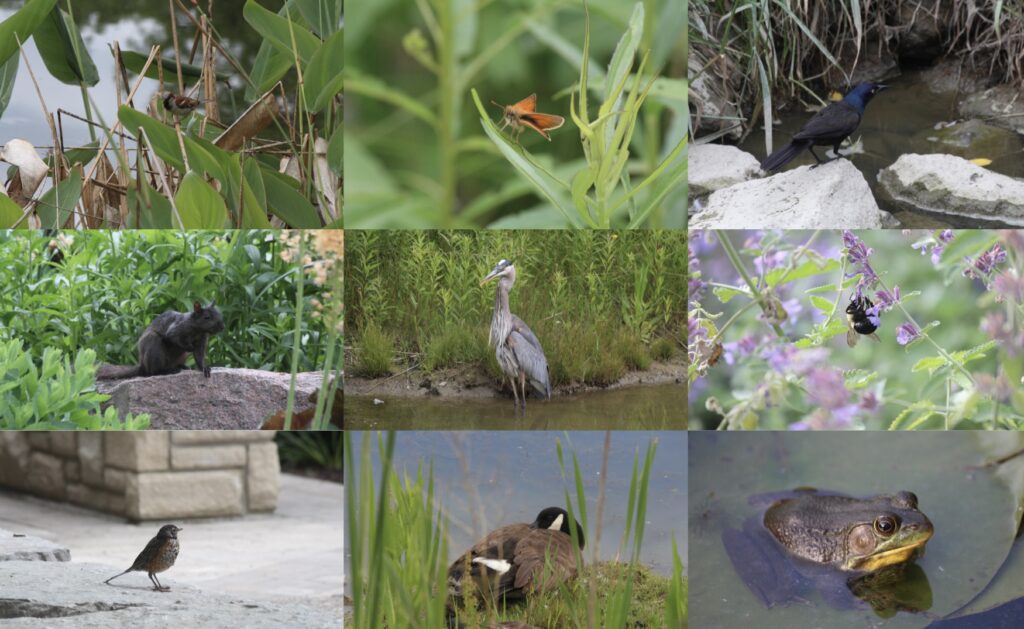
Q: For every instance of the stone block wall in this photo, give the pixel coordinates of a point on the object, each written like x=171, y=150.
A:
x=153, y=475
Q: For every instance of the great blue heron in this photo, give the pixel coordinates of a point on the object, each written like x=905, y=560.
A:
x=516, y=347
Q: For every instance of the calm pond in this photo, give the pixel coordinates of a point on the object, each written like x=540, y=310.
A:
x=510, y=476
x=973, y=514
x=656, y=407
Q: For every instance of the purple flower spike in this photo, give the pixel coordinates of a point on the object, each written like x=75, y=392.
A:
x=887, y=299
x=906, y=333
x=983, y=265
x=859, y=255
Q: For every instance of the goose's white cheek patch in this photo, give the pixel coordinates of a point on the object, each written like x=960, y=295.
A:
x=557, y=524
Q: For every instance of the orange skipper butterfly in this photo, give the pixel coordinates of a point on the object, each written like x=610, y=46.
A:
x=524, y=114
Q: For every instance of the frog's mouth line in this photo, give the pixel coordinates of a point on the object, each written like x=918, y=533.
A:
x=890, y=557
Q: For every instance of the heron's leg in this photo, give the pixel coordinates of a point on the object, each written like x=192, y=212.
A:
x=522, y=386
x=515, y=396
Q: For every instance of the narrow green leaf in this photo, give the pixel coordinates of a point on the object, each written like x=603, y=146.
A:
x=135, y=61
x=930, y=364
x=622, y=58
x=549, y=186
x=336, y=151
x=375, y=88
x=199, y=204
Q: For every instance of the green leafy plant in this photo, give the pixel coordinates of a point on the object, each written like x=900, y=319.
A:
x=58, y=394
x=454, y=177
x=222, y=179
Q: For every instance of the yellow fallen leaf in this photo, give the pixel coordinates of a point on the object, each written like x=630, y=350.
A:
x=835, y=96
x=981, y=161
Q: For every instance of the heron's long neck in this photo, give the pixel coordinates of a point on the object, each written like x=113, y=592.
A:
x=501, y=320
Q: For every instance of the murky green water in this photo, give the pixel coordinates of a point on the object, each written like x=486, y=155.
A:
x=656, y=407
x=973, y=515
x=486, y=479
x=899, y=121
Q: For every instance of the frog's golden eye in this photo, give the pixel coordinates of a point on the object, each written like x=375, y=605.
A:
x=886, y=525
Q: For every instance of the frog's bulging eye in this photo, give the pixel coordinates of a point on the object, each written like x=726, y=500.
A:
x=886, y=525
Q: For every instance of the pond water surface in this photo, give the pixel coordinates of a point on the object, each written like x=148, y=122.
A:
x=973, y=514
x=655, y=407
x=488, y=479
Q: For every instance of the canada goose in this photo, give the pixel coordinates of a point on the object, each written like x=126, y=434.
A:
x=512, y=561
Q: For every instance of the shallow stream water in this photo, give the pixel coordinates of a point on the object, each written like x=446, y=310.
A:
x=900, y=120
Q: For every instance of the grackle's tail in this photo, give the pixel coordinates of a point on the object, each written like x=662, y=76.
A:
x=781, y=157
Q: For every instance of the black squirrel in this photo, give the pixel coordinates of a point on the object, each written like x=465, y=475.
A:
x=165, y=344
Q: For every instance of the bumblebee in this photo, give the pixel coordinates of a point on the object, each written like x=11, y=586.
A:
x=861, y=323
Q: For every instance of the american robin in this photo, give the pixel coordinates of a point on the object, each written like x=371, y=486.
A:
x=158, y=555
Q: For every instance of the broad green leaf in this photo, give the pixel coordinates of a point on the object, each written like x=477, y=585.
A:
x=322, y=78
x=147, y=208
x=199, y=204
x=135, y=61
x=9, y=212
x=547, y=185
x=8, y=74
x=21, y=25
x=279, y=31
x=581, y=183
x=63, y=51
x=323, y=16
x=56, y=205
x=203, y=156
x=286, y=203
x=254, y=197
x=161, y=137
x=665, y=179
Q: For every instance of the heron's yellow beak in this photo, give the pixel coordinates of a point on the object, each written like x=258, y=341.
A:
x=490, y=276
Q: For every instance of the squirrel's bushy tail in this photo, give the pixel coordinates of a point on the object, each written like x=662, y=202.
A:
x=116, y=372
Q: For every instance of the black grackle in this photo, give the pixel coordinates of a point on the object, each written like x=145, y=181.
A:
x=828, y=127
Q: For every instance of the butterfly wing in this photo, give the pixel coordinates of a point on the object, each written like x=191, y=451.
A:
x=542, y=123
x=526, y=106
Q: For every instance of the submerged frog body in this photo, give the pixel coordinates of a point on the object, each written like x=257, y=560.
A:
x=856, y=534
x=850, y=550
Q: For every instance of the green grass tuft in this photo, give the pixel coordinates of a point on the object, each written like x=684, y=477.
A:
x=663, y=349
x=376, y=352
x=455, y=345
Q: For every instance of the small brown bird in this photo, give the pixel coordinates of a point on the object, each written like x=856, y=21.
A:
x=179, y=105
x=158, y=556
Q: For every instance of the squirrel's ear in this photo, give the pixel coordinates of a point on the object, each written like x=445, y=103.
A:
x=196, y=306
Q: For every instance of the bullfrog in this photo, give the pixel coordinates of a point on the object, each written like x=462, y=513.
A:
x=854, y=534
x=851, y=550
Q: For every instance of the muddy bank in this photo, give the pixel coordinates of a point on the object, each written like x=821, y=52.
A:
x=473, y=383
